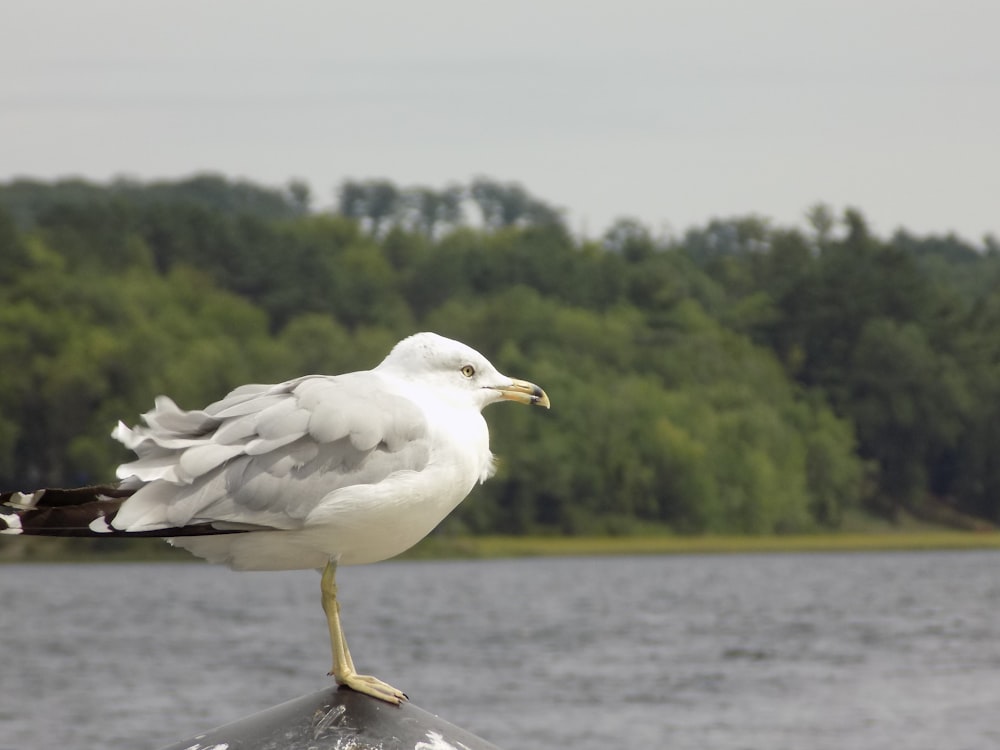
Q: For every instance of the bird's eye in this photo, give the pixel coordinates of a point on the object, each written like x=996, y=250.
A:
x=468, y=371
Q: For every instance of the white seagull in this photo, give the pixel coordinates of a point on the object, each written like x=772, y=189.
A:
x=316, y=472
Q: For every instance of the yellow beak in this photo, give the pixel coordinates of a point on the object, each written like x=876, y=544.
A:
x=523, y=392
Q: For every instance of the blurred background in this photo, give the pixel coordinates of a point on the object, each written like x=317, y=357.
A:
x=749, y=249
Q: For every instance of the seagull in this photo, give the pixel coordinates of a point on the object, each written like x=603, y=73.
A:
x=316, y=472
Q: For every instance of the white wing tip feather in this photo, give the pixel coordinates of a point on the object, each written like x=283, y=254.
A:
x=12, y=522
x=25, y=500
x=99, y=525
x=124, y=435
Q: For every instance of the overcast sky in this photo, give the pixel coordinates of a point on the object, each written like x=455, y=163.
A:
x=671, y=112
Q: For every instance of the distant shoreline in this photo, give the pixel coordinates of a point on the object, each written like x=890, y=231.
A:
x=540, y=546
x=441, y=547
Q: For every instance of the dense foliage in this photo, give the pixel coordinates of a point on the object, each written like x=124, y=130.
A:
x=742, y=378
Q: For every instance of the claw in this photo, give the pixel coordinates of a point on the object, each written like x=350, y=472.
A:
x=363, y=683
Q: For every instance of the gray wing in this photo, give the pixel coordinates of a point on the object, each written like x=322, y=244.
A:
x=267, y=455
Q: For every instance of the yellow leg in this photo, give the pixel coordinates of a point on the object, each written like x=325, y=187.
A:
x=343, y=666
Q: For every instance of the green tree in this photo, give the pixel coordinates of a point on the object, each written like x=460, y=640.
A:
x=376, y=202
x=431, y=209
x=509, y=204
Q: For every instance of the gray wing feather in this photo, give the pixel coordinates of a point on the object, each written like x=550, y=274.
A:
x=200, y=460
x=288, y=421
x=169, y=417
x=152, y=465
x=277, y=464
x=261, y=446
x=236, y=430
x=249, y=389
x=253, y=404
x=268, y=455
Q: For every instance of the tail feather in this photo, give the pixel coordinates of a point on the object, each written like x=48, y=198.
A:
x=78, y=512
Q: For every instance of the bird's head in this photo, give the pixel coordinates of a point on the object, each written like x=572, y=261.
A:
x=444, y=363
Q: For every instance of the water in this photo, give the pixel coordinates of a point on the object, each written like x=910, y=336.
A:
x=858, y=651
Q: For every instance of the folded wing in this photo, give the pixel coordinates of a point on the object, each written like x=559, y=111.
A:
x=266, y=456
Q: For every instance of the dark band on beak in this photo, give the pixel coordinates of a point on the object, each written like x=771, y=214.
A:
x=524, y=392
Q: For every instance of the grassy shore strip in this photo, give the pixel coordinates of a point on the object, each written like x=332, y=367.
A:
x=503, y=546
x=440, y=547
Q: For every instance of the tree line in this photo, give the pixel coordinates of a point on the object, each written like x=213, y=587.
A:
x=740, y=378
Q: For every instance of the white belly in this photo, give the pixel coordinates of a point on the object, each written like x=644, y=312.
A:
x=354, y=525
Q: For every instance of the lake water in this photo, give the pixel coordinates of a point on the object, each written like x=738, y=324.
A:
x=898, y=651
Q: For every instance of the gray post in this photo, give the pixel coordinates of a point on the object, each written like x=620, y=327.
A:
x=333, y=719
